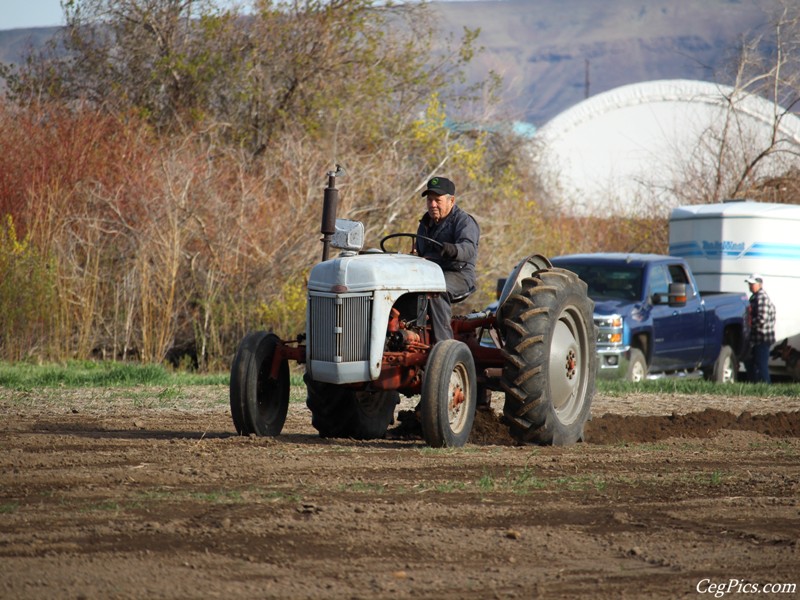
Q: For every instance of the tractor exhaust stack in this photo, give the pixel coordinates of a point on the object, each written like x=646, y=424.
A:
x=329, y=206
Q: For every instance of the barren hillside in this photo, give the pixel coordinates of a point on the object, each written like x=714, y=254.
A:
x=546, y=48
x=542, y=47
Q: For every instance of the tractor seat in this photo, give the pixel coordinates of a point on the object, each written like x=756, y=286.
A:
x=464, y=296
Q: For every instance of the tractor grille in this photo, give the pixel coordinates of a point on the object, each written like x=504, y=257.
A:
x=339, y=327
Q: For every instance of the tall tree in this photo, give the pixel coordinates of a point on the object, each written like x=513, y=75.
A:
x=313, y=65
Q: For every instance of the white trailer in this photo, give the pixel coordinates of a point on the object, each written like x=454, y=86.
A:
x=724, y=243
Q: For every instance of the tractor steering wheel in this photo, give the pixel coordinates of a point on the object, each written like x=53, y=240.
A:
x=413, y=236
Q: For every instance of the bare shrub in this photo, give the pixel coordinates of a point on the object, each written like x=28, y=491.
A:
x=179, y=221
x=733, y=160
x=26, y=295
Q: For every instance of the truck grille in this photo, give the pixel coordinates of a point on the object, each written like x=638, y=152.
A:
x=339, y=326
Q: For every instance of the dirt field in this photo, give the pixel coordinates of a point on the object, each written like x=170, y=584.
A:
x=147, y=493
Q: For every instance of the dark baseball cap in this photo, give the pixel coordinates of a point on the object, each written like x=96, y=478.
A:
x=441, y=186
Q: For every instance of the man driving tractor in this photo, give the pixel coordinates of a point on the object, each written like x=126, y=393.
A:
x=457, y=234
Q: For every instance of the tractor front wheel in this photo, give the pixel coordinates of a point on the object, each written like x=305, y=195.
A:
x=340, y=412
x=238, y=383
x=259, y=403
x=373, y=414
x=449, y=395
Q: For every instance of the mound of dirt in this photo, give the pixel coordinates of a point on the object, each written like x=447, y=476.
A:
x=489, y=428
x=613, y=429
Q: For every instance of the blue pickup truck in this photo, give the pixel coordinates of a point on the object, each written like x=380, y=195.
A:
x=653, y=320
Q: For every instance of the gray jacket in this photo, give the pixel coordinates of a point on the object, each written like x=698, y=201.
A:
x=458, y=228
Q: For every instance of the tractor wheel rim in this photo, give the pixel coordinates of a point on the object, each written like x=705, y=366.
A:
x=568, y=364
x=457, y=394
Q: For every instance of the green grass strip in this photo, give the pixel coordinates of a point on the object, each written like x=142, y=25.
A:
x=75, y=374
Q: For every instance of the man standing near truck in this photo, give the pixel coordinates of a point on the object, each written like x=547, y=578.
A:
x=762, y=330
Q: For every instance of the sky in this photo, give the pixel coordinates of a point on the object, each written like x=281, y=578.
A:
x=30, y=13
x=16, y=14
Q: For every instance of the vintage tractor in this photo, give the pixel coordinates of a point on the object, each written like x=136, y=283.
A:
x=368, y=339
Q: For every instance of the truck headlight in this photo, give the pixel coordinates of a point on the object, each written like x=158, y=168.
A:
x=612, y=322
x=610, y=329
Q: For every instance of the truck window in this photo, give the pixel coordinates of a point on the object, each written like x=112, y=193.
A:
x=659, y=281
x=678, y=275
x=609, y=282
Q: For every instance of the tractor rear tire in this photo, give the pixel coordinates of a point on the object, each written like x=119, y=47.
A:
x=340, y=412
x=449, y=395
x=550, y=358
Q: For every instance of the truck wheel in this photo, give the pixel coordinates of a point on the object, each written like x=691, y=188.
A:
x=267, y=399
x=339, y=412
x=449, y=395
x=550, y=358
x=238, y=383
x=725, y=367
x=637, y=366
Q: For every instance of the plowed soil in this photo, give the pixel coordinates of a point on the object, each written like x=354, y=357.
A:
x=148, y=493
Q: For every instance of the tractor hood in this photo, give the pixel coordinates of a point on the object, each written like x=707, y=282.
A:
x=375, y=271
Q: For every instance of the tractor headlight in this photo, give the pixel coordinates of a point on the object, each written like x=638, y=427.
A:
x=349, y=235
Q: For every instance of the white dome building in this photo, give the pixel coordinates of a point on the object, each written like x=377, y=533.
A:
x=639, y=148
